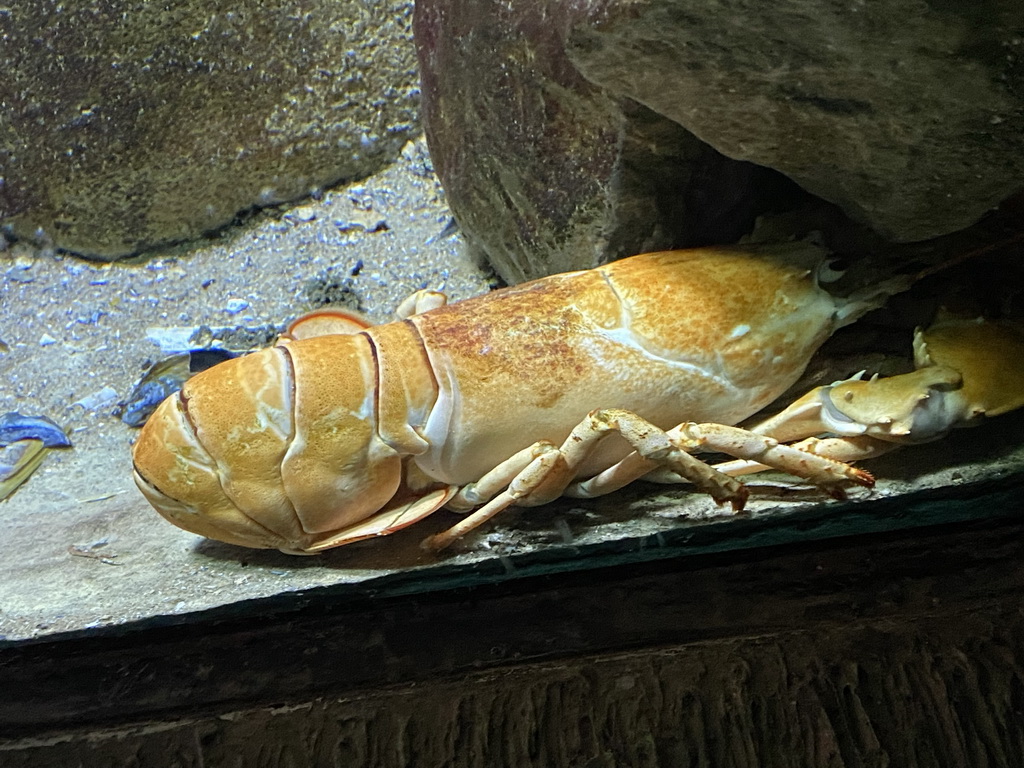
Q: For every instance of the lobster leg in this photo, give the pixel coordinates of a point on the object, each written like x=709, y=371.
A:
x=825, y=468
x=419, y=302
x=802, y=420
x=843, y=449
x=867, y=418
x=498, y=479
x=966, y=369
x=542, y=472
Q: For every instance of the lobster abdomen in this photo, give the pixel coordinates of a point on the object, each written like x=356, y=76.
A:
x=279, y=446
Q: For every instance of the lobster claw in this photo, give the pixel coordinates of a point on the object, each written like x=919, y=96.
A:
x=967, y=369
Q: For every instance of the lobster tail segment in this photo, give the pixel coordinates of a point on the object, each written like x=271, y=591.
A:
x=180, y=479
x=210, y=456
x=337, y=469
x=277, y=449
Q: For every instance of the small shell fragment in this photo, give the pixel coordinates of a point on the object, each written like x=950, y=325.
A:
x=17, y=462
x=14, y=427
x=166, y=377
x=98, y=399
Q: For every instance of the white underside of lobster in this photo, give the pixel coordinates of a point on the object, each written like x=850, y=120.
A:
x=344, y=432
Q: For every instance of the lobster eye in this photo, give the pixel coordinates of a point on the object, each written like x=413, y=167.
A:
x=831, y=270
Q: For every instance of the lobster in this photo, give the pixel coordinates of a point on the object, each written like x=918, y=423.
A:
x=344, y=431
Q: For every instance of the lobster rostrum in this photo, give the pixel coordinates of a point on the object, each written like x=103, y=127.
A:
x=344, y=431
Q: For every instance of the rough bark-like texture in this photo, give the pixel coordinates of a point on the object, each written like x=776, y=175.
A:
x=935, y=693
x=909, y=117
x=127, y=124
x=898, y=650
x=547, y=173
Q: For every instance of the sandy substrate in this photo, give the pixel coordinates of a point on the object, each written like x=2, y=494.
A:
x=78, y=335
x=80, y=547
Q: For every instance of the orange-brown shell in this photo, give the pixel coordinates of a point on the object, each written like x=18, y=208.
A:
x=701, y=335
x=276, y=449
x=291, y=447
x=990, y=356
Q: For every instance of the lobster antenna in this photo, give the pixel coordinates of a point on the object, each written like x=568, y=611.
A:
x=863, y=300
x=859, y=303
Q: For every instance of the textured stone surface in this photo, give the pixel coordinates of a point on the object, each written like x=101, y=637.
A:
x=910, y=116
x=544, y=171
x=941, y=693
x=567, y=134
x=127, y=124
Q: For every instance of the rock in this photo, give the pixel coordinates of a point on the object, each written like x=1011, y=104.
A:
x=302, y=213
x=908, y=116
x=234, y=306
x=546, y=172
x=129, y=124
x=566, y=134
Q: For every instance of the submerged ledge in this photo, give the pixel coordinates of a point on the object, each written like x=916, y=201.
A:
x=151, y=575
